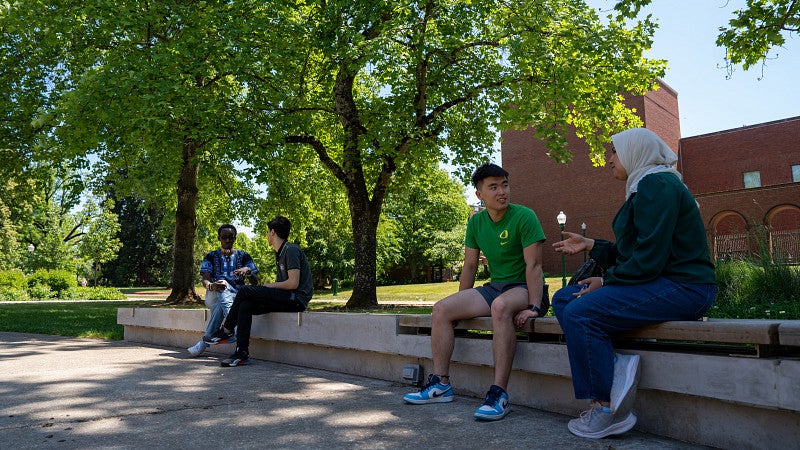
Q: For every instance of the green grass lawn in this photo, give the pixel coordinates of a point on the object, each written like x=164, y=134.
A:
x=98, y=319
x=411, y=293
x=80, y=319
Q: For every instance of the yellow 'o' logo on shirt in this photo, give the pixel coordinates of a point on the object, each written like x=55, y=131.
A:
x=504, y=234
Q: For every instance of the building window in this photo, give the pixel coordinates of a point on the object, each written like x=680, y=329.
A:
x=752, y=179
x=796, y=173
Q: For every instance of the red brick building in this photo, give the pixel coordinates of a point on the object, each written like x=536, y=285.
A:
x=747, y=181
x=715, y=166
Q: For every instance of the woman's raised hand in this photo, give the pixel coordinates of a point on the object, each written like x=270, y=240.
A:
x=574, y=243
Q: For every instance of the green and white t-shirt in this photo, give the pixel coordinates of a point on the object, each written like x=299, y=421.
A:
x=502, y=242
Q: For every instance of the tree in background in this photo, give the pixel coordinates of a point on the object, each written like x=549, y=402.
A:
x=148, y=88
x=144, y=258
x=316, y=204
x=751, y=34
x=426, y=208
x=9, y=246
x=99, y=243
x=57, y=220
x=447, y=248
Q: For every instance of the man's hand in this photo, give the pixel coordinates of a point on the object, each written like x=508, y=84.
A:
x=242, y=272
x=523, y=316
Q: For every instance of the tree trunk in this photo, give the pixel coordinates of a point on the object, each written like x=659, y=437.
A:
x=364, y=219
x=183, y=270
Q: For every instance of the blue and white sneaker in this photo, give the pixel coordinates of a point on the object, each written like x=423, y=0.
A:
x=495, y=406
x=433, y=392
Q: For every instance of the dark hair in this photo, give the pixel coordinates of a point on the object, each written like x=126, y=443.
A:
x=485, y=171
x=281, y=225
x=227, y=226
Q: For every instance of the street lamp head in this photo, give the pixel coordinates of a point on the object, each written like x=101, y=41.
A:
x=583, y=226
x=31, y=248
x=561, y=218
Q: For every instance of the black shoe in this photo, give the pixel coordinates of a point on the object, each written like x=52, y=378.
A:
x=219, y=337
x=240, y=358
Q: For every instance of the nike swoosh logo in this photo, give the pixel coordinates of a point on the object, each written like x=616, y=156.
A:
x=438, y=394
x=503, y=243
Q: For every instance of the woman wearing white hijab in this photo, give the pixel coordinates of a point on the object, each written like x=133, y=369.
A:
x=658, y=270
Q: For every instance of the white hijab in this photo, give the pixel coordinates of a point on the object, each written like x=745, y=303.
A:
x=641, y=152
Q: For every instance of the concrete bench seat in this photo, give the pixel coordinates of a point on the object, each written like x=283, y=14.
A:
x=752, y=337
x=716, y=399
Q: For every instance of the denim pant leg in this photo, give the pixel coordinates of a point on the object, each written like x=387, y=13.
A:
x=590, y=321
x=219, y=311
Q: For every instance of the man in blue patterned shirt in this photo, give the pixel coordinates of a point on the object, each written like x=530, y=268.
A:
x=223, y=273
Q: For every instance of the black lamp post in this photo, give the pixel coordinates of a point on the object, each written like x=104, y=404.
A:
x=562, y=220
x=583, y=229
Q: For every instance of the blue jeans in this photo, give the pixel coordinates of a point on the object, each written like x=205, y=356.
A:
x=220, y=305
x=590, y=321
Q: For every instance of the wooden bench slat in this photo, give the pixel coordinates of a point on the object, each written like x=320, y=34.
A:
x=789, y=333
x=734, y=331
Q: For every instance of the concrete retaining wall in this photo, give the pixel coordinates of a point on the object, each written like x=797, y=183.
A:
x=721, y=401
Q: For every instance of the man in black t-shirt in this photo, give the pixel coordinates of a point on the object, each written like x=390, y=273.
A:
x=291, y=292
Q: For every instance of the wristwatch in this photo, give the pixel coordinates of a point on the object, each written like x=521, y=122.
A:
x=536, y=309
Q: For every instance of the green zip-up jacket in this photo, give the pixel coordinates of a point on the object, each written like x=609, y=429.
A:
x=659, y=232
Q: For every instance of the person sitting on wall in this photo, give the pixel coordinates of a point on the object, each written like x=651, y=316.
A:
x=510, y=237
x=291, y=292
x=658, y=269
x=223, y=271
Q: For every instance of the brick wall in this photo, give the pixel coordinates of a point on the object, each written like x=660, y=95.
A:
x=585, y=193
x=716, y=162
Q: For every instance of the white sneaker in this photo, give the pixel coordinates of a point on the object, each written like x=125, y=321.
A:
x=197, y=349
x=623, y=388
x=595, y=423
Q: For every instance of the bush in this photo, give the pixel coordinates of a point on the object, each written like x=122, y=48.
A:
x=13, y=278
x=12, y=294
x=41, y=292
x=757, y=290
x=58, y=281
x=94, y=293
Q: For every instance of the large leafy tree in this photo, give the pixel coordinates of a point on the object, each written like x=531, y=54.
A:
x=372, y=89
x=148, y=87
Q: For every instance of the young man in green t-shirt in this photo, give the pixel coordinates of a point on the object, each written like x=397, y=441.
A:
x=510, y=237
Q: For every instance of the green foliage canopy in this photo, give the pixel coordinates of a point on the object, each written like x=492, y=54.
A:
x=370, y=90
x=373, y=90
x=752, y=32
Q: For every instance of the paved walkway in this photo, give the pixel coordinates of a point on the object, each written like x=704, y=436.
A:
x=80, y=393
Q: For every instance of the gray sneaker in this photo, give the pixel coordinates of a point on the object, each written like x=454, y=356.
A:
x=623, y=388
x=595, y=423
x=198, y=349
